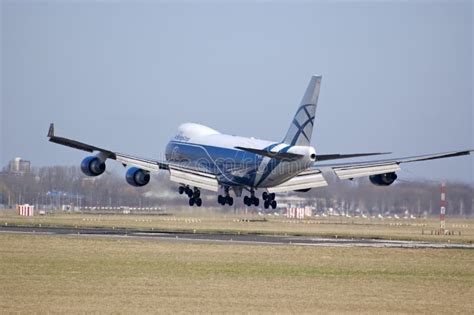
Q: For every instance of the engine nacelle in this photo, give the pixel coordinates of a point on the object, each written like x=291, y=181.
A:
x=92, y=166
x=137, y=177
x=383, y=179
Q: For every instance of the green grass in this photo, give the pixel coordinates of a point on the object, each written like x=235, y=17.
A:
x=225, y=223
x=71, y=274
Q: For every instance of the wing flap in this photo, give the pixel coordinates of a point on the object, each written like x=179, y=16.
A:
x=148, y=165
x=304, y=180
x=193, y=178
x=365, y=170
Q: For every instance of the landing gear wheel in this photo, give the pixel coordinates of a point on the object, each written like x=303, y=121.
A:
x=266, y=204
x=247, y=201
x=265, y=195
x=196, y=194
x=191, y=201
x=181, y=190
x=198, y=202
x=256, y=202
x=189, y=192
x=229, y=200
x=221, y=200
x=272, y=196
x=274, y=204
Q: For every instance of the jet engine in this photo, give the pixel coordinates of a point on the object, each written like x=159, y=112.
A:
x=137, y=177
x=92, y=166
x=383, y=179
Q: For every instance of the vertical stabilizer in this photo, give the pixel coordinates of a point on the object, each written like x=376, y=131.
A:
x=301, y=127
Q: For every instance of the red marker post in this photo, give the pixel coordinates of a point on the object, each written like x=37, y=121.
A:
x=442, y=213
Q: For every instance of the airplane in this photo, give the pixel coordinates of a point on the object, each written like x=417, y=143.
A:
x=199, y=157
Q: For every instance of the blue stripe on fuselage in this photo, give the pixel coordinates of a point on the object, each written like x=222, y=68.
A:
x=254, y=174
x=233, y=167
x=272, y=164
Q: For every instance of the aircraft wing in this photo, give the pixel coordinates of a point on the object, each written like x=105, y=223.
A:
x=313, y=177
x=367, y=168
x=182, y=173
x=304, y=180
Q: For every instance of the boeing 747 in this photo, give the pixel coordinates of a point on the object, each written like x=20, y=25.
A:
x=199, y=157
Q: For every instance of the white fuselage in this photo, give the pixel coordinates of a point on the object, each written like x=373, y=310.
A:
x=203, y=145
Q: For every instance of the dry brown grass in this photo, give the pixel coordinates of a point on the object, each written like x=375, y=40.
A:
x=91, y=274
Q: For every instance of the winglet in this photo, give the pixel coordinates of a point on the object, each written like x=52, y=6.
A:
x=51, y=131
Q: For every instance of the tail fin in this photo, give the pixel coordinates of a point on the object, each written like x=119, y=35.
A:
x=301, y=127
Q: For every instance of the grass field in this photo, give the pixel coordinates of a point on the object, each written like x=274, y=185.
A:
x=229, y=223
x=71, y=274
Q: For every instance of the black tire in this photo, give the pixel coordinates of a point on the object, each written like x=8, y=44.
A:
x=272, y=196
x=246, y=201
x=191, y=201
x=265, y=195
x=274, y=204
x=197, y=194
x=199, y=202
x=256, y=202
x=181, y=190
x=189, y=193
x=266, y=204
x=220, y=200
x=230, y=200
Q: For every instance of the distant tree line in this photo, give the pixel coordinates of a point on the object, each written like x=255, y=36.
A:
x=415, y=197
x=58, y=185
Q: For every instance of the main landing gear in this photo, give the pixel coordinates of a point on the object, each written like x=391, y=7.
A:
x=269, y=200
x=227, y=199
x=194, y=195
x=252, y=200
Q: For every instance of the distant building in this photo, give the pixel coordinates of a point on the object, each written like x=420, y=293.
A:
x=19, y=166
x=25, y=210
x=298, y=212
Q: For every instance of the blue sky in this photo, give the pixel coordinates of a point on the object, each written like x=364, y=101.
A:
x=397, y=76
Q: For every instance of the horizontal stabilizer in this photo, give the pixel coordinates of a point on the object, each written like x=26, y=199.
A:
x=274, y=155
x=326, y=157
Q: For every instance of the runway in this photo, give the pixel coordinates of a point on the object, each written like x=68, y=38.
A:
x=231, y=238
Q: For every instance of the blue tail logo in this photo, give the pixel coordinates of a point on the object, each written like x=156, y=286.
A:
x=301, y=127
